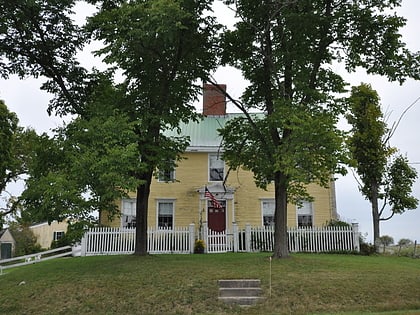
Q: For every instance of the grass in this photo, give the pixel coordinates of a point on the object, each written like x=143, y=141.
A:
x=187, y=284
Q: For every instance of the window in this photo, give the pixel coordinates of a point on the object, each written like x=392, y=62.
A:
x=268, y=207
x=58, y=235
x=165, y=214
x=305, y=214
x=128, y=217
x=167, y=172
x=216, y=168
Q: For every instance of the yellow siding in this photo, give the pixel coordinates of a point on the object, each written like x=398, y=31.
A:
x=44, y=232
x=192, y=174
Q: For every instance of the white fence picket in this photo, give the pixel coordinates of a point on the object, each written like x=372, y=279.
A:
x=114, y=241
x=111, y=241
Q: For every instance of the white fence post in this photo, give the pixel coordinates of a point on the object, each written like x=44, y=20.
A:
x=356, y=240
x=205, y=237
x=191, y=235
x=248, y=238
x=235, y=233
x=83, y=245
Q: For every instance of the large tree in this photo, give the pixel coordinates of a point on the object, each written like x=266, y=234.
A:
x=15, y=148
x=162, y=48
x=385, y=177
x=286, y=50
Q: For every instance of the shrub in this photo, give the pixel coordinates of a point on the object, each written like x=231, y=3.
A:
x=25, y=240
x=365, y=247
x=199, y=247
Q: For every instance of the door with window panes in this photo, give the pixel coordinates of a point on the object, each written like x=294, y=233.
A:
x=216, y=217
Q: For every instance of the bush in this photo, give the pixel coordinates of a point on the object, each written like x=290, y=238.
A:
x=25, y=240
x=199, y=247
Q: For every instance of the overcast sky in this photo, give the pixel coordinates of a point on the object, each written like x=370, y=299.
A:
x=25, y=99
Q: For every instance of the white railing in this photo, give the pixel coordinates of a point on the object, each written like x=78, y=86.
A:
x=218, y=242
x=310, y=239
x=36, y=258
x=115, y=241
x=111, y=241
x=169, y=241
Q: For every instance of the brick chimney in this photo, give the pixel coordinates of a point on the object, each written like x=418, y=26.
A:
x=214, y=101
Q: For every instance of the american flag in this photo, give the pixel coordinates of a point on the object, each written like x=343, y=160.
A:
x=213, y=199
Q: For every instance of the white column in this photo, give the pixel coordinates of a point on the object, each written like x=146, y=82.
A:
x=355, y=227
x=191, y=230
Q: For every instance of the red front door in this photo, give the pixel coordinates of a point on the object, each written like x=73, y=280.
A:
x=216, y=217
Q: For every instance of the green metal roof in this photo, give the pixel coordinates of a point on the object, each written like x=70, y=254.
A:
x=203, y=134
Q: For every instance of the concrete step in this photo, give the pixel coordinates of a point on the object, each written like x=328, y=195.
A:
x=241, y=301
x=244, y=292
x=239, y=292
x=240, y=283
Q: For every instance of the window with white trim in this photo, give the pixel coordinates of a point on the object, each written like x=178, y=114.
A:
x=167, y=173
x=58, y=235
x=165, y=214
x=305, y=214
x=128, y=216
x=267, y=209
x=216, y=168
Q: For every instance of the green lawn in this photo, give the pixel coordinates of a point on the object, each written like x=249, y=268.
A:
x=187, y=284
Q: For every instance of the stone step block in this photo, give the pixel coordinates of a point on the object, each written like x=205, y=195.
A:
x=240, y=283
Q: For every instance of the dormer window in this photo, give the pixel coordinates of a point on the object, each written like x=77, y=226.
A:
x=216, y=168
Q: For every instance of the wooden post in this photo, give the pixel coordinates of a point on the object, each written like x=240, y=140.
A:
x=205, y=237
x=248, y=238
x=191, y=234
x=235, y=233
x=356, y=241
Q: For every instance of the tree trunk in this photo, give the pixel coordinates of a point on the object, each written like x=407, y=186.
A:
x=142, y=210
x=375, y=215
x=281, y=249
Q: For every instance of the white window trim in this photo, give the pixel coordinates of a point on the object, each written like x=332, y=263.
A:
x=218, y=155
x=312, y=212
x=123, y=214
x=262, y=209
x=55, y=235
x=171, y=180
x=173, y=201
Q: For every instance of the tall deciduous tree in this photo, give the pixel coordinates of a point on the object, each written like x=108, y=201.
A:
x=39, y=38
x=383, y=178
x=286, y=49
x=162, y=47
x=15, y=148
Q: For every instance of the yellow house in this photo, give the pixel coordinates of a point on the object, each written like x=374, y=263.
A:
x=47, y=233
x=178, y=197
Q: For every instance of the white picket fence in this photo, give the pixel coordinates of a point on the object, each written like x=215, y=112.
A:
x=115, y=241
x=180, y=240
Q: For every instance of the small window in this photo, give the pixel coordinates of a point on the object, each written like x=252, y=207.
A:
x=166, y=173
x=166, y=176
x=305, y=214
x=216, y=168
x=128, y=216
x=165, y=214
x=58, y=235
x=268, y=208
